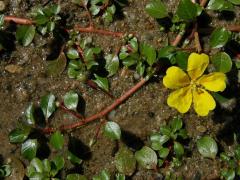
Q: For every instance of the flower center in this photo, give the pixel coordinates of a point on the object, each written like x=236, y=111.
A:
x=195, y=85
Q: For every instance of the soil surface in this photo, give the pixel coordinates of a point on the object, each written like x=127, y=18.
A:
x=139, y=116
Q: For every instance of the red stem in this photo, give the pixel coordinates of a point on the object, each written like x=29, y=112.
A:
x=18, y=20
x=102, y=113
x=177, y=40
x=234, y=28
x=75, y=114
x=180, y=35
x=90, y=29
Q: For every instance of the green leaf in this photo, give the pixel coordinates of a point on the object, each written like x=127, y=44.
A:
x=150, y=53
x=158, y=140
x=156, y=9
x=237, y=152
x=73, y=158
x=112, y=64
x=147, y=158
x=134, y=44
x=220, y=5
x=176, y=124
x=112, y=130
x=72, y=53
x=163, y=152
x=228, y=174
x=125, y=161
x=90, y=56
x=120, y=176
x=219, y=98
x=140, y=68
x=48, y=105
x=41, y=19
x=107, y=16
x=19, y=135
x=29, y=113
x=1, y=20
x=95, y=10
x=182, y=59
x=37, y=165
x=224, y=157
x=104, y=175
x=167, y=52
x=29, y=148
x=5, y=170
x=219, y=37
x=75, y=177
x=178, y=149
x=236, y=2
x=102, y=82
x=207, y=147
x=222, y=62
x=25, y=34
x=187, y=10
x=70, y=100
x=58, y=162
x=50, y=26
x=46, y=165
x=215, y=4
x=165, y=130
x=55, y=8
x=183, y=133
x=57, y=140
x=42, y=29
x=57, y=66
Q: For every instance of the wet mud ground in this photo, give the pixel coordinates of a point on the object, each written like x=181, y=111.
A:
x=139, y=116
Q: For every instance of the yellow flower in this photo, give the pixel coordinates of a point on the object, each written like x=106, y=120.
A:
x=193, y=86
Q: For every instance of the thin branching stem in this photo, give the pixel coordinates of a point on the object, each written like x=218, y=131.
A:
x=99, y=31
x=18, y=20
x=102, y=113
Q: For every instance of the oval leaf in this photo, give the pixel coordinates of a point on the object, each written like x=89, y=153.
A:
x=207, y=147
x=57, y=66
x=48, y=105
x=19, y=135
x=178, y=149
x=57, y=140
x=112, y=64
x=73, y=158
x=156, y=9
x=112, y=130
x=187, y=11
x=125, y=161
x=236, y=2
x=147, y=158
x=29, y=148
x=71, y=100
x=29, y=113
x=222, y=62
x=25, y=34
x=219, y=38
x=102, y=82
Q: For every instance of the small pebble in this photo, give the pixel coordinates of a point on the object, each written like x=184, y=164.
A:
x=201, y=129
x=13, y=68
x=2, y=6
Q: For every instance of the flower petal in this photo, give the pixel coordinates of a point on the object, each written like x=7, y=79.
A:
x=175, y=78
x=181, y=99
x=203, y=102
x=213, y=82
x=197, y=63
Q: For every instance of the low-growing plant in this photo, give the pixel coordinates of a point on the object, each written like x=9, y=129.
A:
x=166, y=143
x=231, y=168
x=5, y=170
